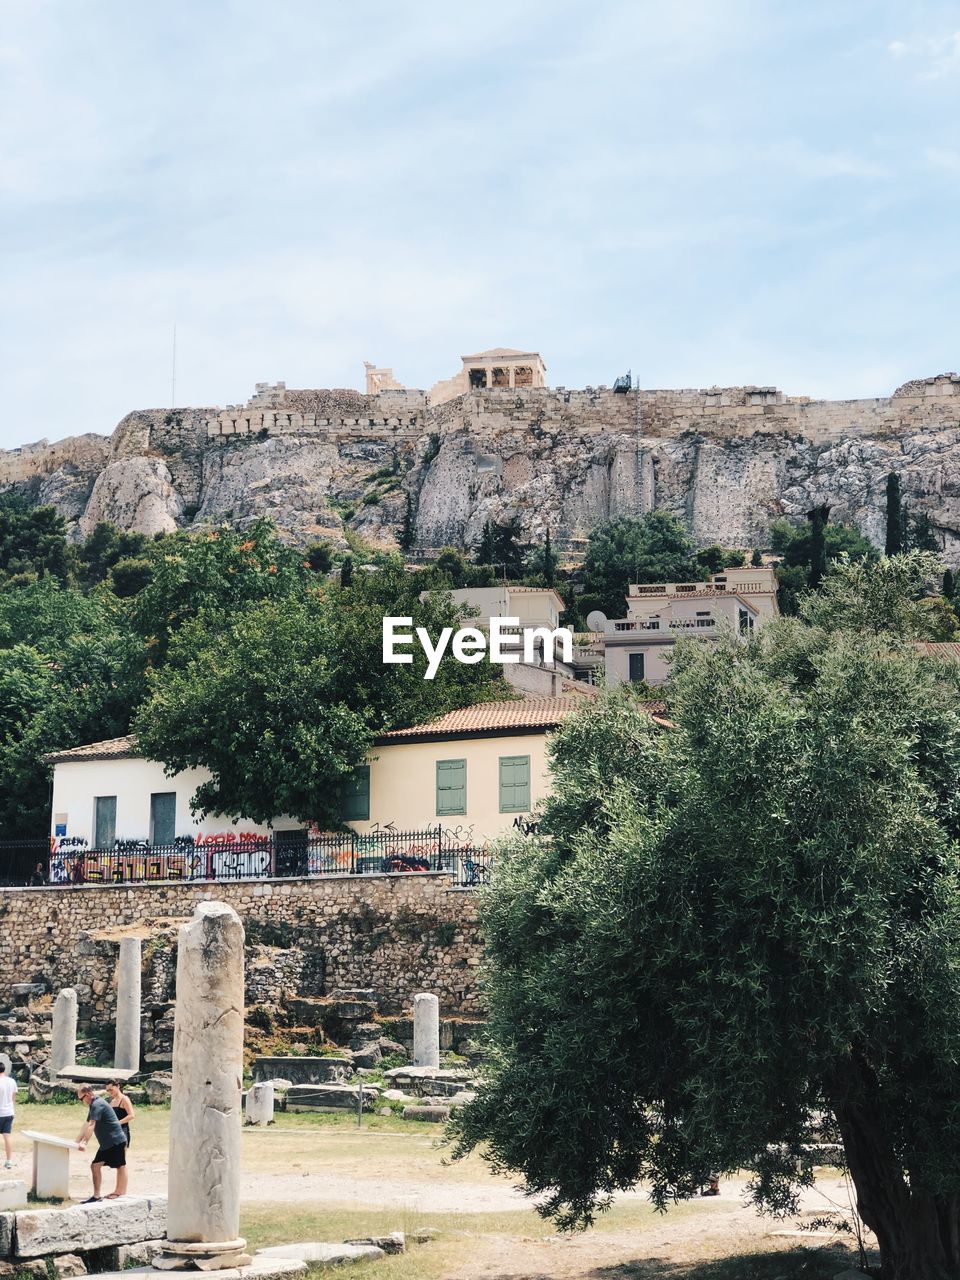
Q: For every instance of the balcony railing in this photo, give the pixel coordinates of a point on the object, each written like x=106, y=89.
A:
x=283, y=855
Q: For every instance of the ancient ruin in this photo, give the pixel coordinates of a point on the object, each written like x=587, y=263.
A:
x=727, y=460
x=203, y=1217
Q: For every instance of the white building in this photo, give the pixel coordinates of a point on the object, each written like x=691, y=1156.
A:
x=638, y=646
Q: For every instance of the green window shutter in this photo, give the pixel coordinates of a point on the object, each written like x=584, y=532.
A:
x=451, y=787
x=104, y=822
x=163, y=817
x=356, y=795
x=514, y=784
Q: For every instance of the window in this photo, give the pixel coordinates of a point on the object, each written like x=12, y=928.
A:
x=514, y=784
x=104, y=822
x=746, y=621
x=163, y=817
x=451, y=787
x=636, y=666
x=356, y=795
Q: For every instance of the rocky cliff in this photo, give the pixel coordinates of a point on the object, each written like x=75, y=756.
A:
x=727, y=460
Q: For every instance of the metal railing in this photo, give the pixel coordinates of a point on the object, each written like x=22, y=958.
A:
x=282, y=855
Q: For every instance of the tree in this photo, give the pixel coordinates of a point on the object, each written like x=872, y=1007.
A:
x=732, y=927
x=949, y=584
x=485, y=548
x=130, y=575
x=32, y=539
x=655, y=548
x=794, y=545
x=69, y=673
x=408, y=533
x=217, y=572
x=894, y=541
x=105, y=547
x=714, y=559
x=318, y=557
x=756, y=560
x=346, y=571
x=281, y=702
x=549, y=565
x=818, y=544
x=892, y=596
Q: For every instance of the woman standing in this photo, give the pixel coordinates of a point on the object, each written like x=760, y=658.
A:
x=122, y=1109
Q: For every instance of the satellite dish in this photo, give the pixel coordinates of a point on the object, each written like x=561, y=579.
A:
x=596, y=620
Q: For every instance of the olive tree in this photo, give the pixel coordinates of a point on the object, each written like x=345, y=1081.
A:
x=729, y=927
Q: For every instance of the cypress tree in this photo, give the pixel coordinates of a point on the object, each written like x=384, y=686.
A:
x=949, y=585
x=756, y=560
x=818, y=544
x=549, y=562
x=893, y=544
x=346, y=571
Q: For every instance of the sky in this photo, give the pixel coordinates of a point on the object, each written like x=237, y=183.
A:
x=706, y=192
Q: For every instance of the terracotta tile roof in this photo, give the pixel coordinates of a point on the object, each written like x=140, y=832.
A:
x=108, y=749
x=487, y=717
x=940, y=648
x=524, y=714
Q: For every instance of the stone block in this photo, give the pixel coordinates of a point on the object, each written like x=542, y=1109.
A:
x=89, y=1226
x=431, y=1115
x=136, y=1255
x=320, y=1254
x=13, y=1194
x=339, y=1097
x=395, y=1242
x=68, y=1265
x=325, y=1070
x=7, y=1222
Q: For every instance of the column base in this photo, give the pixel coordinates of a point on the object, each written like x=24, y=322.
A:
x=213, y=1255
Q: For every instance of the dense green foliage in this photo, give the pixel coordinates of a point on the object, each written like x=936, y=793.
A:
x=229, y=649
x=723, y=930
x=281, y=699
x=799, y=546
x=655, y=548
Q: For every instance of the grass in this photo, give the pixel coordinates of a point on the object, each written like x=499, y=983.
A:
x=393, y=1175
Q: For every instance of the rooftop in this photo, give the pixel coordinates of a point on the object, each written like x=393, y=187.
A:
x=524, y=715
x=108, y=749
x=499, y=352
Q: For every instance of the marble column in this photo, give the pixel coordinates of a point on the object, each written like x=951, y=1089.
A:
x=63, y=1050
x=426, y=1030
x=126, y=1055
x=260, y=1104
x=203, y=1210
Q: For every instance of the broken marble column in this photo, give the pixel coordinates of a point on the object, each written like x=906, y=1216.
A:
x=426, y=1030
x=63, y=1050
x=126, y=1055
x=203, y=1211
x=260, y=1104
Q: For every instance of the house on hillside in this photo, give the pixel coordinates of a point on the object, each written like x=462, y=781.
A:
x=638, y=646
x=457, y=782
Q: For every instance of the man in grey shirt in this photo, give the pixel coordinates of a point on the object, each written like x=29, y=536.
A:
x=102, y=1121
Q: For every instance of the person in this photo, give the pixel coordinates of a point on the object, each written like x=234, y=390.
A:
x=112, y=1152
x=38, y=877
x=8, y=1090
x=122, y=1108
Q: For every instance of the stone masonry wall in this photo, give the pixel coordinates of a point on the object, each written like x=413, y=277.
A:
x=396, y=934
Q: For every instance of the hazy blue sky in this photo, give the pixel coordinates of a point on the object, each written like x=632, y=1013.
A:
x=707, y=191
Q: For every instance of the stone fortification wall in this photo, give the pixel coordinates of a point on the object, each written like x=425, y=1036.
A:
x=726, y=460
x=395, y=934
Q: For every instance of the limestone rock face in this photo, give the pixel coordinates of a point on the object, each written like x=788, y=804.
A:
x=136, y=494
x=726, y=460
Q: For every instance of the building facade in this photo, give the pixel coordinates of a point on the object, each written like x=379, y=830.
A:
x=638, y=647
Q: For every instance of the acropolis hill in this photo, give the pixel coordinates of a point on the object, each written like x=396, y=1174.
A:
x=728, y=460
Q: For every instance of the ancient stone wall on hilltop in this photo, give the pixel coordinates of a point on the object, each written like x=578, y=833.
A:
x=727, y=461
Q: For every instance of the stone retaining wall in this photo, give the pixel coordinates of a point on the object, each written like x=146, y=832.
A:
x=396, y=934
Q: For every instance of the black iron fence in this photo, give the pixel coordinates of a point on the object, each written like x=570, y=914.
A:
x=284, y=854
